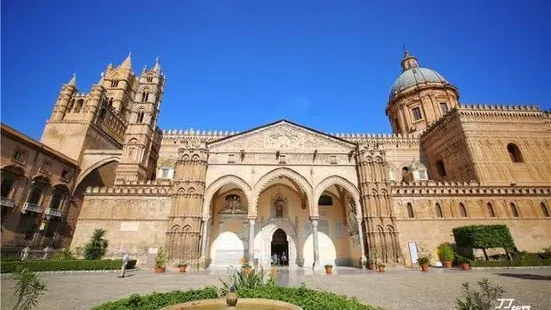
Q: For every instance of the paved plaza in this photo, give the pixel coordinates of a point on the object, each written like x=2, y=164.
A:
x=394, y=289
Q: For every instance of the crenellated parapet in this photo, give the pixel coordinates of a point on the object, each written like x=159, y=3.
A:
x=147, y=188
x=472, y=188
x=171, y=136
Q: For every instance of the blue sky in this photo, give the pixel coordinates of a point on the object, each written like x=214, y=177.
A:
x=233, y=65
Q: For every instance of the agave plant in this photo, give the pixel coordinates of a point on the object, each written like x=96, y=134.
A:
x=240, y=279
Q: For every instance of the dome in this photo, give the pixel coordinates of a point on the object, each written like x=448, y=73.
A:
x=416, y=76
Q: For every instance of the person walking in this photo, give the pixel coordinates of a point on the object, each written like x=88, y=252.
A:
x=125, y=259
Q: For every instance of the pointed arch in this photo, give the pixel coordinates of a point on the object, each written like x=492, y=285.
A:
x=345, y=184
x=296, y=177
x=225, y=180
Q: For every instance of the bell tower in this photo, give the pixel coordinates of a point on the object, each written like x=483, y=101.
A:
x=142, y=137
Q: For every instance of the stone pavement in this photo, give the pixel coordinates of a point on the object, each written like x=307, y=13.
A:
x=394, y=289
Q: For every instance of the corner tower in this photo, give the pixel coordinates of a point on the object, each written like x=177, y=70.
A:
x=418, y=97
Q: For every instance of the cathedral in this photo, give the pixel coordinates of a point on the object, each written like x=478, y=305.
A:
x=281, y=190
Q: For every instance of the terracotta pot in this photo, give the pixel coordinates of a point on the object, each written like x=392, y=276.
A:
x=425, y=267
x=381, y=269
x=182, y=268
x=247, y=270
x=447, y=264
x=465, y=267
x=329, y=270
x=231, y=299
x=159, y=269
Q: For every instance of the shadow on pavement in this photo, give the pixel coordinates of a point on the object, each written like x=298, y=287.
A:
x=525, y=276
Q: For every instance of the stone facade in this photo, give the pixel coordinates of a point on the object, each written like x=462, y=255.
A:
x=217, y=198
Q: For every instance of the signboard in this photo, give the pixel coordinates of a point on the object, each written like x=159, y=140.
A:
x=413, y=252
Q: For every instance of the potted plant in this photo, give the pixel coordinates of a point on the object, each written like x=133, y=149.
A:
x=424, y=261
x=328, y=269
x=182, y=267
x=464, y=262
x=372, y=261
x=247, y=268
x=381, y=267
x=160, y=261
x=446, y=254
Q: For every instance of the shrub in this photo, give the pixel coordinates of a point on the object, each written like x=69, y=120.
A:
x=545, y=253
x=28, y=287
x=66, y=253
x=97, y=247
x=60, y=265
x=481, y=299
x=423, y=260
x=160, y=260
x=484, y=237
x=512, y=263
x=445, y=251
x=241, y=279
x=306, y=298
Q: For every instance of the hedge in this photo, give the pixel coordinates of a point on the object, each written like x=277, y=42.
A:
x=306, y=298
x=62, y=265
x=512, y=263
x=483, y=237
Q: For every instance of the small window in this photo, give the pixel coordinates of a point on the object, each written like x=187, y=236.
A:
x=149, y=79
x=417, y=113
x=410, y=211
x=140, y=116
x=514, y=210
x=544, y=210
x=444, y=107
x=440, y=168
x=64, y=174
x=35, y=196
x=325, y=200
x=514, y=153
x=462, y=210
x=164, y=173
x=438, y=210
x=18, y=155
x=79, y=105
x=145, y=96
x=333, y=159
x=57, y=200
x=491, y=211
x=114, y=83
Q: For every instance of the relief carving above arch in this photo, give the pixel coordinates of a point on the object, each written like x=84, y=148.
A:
x=226, y=180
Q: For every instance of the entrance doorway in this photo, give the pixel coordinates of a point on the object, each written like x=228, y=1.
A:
x=280, y=248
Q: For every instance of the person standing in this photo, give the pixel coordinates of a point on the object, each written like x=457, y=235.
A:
x=25, y=253
x=125, y=259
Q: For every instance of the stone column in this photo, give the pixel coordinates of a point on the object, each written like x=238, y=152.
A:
x=251, y=240
x=204, y=238
x=363, y=258
x=315, y=241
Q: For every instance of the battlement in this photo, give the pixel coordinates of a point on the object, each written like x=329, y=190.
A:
x=499, y=107
x=461, y=189
x=157, y=187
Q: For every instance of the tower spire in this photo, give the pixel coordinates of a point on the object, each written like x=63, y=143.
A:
x=127, y=63
x=73, y=81
x=157, y=67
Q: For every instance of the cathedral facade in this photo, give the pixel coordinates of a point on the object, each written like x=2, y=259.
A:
x=217, y=198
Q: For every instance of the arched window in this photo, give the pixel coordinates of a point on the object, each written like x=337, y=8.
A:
x=78, y=106
x=110, y=102
x=490, y=210
x=438, y=210
x=462, y=210
x=145, y=96
x=514, y=153
x=149, y=79
x=325, y=200
x=71, y=105
x=58, y=198
x=440, y=168
x=410, y=210
x=140, y=116
x=514, y=210
x=114, y=83
x=544, y=210
x=405, y=174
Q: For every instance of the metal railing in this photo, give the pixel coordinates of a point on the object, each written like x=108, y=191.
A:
x=31, y=207
x=53, y=212
x=5, y=202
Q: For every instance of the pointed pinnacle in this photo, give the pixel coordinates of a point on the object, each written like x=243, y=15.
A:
x=127, y=63
x=157, y=64
x=73, y=81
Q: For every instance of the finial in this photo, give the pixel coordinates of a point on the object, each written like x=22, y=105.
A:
x=102, y=75
x=73, y=81
x=406, y=53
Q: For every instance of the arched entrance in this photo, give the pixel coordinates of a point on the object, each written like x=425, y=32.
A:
x=280, y=248
x=264, y=240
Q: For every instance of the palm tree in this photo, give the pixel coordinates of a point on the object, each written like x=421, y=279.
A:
x=97, y=246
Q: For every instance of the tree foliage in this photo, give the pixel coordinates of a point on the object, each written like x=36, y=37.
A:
x=484, y=237
x=97, y=247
